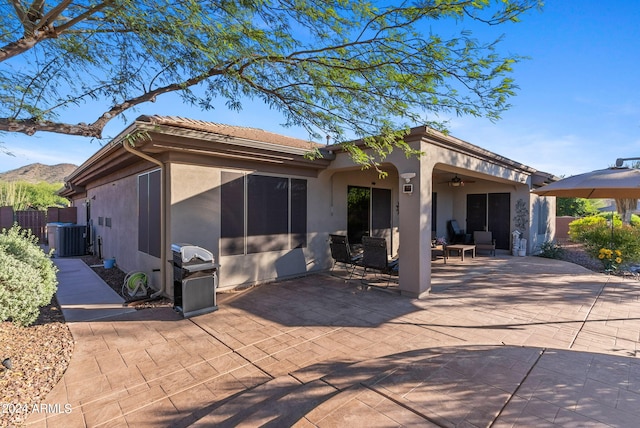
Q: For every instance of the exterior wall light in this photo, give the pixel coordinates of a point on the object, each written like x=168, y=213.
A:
x=407, y=176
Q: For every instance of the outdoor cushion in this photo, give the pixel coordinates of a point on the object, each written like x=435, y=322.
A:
x=484, y=241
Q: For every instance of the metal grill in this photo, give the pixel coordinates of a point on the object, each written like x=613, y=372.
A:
x=195, y=280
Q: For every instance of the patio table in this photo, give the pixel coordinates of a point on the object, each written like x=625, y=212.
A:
x=437, y=251
x=459, y=248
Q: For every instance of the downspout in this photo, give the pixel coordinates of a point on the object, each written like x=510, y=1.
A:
x=163, y=221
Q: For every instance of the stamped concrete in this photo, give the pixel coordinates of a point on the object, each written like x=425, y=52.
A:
x=500, y=341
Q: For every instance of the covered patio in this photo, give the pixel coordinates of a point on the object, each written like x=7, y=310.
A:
x=452, y=180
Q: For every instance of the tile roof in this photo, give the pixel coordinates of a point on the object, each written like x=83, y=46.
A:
x=254, y=134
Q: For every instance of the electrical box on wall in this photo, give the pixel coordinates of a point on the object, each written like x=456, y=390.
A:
x=407, y=188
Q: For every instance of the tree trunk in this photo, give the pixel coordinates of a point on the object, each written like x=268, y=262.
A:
x=625, y=207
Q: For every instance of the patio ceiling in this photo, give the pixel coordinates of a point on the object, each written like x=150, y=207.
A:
x=442, y=176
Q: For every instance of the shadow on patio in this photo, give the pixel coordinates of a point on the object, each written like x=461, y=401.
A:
x=441, y=386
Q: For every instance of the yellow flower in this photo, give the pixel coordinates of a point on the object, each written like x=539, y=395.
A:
x=601, y=256
x=618, y=253
x=618, y=260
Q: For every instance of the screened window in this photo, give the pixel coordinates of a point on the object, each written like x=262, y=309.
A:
x=298, y=213
x=149, y=213
x=262, y=213
x=232, y=213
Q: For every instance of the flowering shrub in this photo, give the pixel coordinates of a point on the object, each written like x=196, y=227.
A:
x=27, y=276
x=611, y=259
x=595, y=233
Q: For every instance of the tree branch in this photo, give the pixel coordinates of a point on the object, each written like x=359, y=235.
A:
x=32, y=125
x=44, y=29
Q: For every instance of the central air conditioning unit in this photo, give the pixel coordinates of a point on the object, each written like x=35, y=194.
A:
x=70, y=240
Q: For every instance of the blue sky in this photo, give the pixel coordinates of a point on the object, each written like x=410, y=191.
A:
x=577, y=109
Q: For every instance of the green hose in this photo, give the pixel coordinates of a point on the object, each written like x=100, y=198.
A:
x=135, y=283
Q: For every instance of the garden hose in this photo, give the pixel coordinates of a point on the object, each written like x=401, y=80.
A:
x=135, y=284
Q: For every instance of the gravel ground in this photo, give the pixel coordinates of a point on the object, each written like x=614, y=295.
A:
x=575, y=253
x=41, y=353
x=39, y=356
x=114, y=277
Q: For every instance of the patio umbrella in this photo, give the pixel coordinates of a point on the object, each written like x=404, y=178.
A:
x=611, y=183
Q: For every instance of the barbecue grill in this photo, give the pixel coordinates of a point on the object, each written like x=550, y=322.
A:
x=195, y=280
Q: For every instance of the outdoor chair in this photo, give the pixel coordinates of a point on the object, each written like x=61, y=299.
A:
x=341, y=253
x=457, y=235
x=484, y=242
x=374, y=257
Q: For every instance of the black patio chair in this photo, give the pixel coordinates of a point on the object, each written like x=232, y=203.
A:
x=374, y=257
x=341, y=253
x=457, y=235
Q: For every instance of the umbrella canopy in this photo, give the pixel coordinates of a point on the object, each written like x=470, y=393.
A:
x=611, y=183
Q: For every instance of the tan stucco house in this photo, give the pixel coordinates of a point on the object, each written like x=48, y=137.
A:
x=265, y=211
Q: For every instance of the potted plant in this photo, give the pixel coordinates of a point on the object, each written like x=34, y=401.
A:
x=522, y=250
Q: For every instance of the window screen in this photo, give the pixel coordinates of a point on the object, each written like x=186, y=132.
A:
x=149, y=188
x=262, y=213
x=267, y=213
x=232, y=214
x=298, y=213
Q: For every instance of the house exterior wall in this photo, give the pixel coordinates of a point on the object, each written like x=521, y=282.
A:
x=543, y=225
x=194, y=217
x=114, y=218
x=194, y=206
x=115, y=203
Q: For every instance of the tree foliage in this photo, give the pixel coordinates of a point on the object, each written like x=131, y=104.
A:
x=575, y=207
x=22, y=195
x=337, y=68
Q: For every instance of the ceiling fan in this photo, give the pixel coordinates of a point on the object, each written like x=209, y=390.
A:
x=457, y=182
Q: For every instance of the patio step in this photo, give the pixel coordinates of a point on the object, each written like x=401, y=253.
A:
x=279, y=402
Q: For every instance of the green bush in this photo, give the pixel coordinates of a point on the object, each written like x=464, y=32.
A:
x=27, y=277
x=595, y=233
x=551, y=250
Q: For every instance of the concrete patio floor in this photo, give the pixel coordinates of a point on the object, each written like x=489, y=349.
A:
x=500, y=341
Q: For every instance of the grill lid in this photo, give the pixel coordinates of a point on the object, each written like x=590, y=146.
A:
x=190, y=252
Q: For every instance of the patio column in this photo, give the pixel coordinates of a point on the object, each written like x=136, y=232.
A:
x=415, y=236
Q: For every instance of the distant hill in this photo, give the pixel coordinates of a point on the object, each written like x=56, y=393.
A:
x=37, y=172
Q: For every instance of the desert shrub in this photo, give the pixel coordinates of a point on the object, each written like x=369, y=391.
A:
x=595, y=233
x=27, y=276
x=551, y=250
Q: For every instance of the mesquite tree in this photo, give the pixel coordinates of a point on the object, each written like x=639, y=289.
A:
x=337, y=68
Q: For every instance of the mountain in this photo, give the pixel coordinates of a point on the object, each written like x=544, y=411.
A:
x=37, y=172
